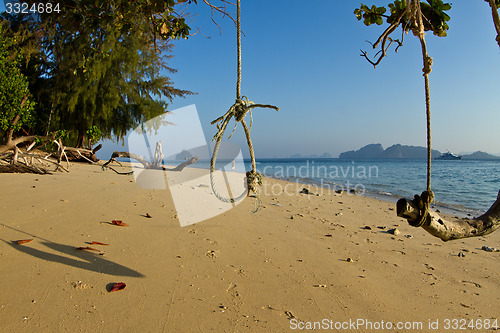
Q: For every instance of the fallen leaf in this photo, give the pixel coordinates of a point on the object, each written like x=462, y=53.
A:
x=22, y=241
x=119, y=223
x=98, y=243
x=118, y=286
x=87, y=248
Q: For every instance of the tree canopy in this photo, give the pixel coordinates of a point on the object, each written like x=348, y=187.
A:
x=99, y=63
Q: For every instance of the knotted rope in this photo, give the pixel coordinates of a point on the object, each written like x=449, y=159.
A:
x=423, y=202
x=238, y=110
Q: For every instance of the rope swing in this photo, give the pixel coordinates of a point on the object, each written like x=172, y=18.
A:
x=238, y=110
x=425, y=199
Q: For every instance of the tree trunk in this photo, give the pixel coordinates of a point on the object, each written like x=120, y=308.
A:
x=81, y=137
x=449, y=230
x=496, y=19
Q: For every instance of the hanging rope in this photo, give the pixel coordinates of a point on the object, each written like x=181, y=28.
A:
x=424, y=200
x=238, y=110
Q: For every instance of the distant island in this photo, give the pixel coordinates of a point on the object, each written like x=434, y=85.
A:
x=376, y=151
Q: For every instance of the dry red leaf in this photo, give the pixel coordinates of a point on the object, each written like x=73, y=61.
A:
x=87, y=248
x=22, y=241
x=120, y=223
x=98, y=243
x=118, y=286
x=148, y=216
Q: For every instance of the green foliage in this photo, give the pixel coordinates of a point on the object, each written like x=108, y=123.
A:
x=63, y=135
x=435, y=18
x=101, y=63
x=373, y=15
x=13, y=88
x=93, y=134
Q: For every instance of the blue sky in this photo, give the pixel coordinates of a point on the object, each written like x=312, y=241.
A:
x=304, y=58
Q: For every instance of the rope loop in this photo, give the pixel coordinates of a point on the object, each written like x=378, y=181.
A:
x=238, y=110
x=423, y=202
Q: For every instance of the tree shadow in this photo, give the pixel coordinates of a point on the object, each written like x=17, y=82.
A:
x=83, y=259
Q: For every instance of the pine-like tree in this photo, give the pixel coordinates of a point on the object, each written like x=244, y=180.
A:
x=101, y=63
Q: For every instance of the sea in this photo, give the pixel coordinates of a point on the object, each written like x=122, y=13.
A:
x=461, y=187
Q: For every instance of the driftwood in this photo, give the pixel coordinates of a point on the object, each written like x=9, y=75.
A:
x=17, y=161
x=155, y=165
x=13, y=143
x=449, y=230
x=146, y=164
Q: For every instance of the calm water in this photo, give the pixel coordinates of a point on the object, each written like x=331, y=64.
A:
x=464, y=186
x=467, y=186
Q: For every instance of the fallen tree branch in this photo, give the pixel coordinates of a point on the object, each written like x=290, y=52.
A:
x=448, y=230
x=146, y=164
x=13, y=143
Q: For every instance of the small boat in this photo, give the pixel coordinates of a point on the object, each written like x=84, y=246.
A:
x=449, y=156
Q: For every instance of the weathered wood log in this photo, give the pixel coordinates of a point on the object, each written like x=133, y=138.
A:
x=449, y=230
x=146, y=164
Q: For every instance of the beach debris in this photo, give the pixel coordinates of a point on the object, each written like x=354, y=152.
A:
x=349, y=260
x=338, y=214
x=211, y=254
x=79, y=285
x=409, y=236
x=383, y=227
x=148, y=216
x=118, y=286
x=23, y=241
x=339, y=191
x=289, y=315
x=430, y=267
x=97, y=243
x=490, y=249
x=394, y=231
x=87, y=248
x=319, y=285
x=367, y=227
x=306, y=191
x=461, y=254
x=291, y=217
x=328, y=235
x=473, y=283
x=119, y=223
x=354, y=191
x=276, y=204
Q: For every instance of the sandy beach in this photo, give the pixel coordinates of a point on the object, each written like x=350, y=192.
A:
x=300, y=259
